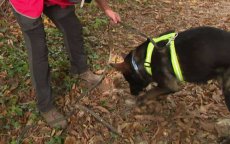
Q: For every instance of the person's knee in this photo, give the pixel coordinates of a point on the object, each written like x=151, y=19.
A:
x=27, y=23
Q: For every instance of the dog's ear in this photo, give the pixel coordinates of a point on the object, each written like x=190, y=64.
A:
x=122, y=67
x=117, y=66
x=123, y=55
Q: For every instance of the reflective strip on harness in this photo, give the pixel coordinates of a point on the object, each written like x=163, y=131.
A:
x=174, y=59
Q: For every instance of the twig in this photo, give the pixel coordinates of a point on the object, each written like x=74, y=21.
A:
x=1, y=3
x=83, y=108
x=24, y=131
x=156, y=131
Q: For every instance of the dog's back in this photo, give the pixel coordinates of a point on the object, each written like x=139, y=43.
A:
x=203, y=52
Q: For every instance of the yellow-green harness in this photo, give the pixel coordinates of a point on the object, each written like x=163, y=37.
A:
x=176, y=66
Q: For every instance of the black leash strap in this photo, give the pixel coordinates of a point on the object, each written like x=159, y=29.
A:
x=134, y=30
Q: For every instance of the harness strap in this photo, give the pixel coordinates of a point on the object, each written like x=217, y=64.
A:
x=174, y=59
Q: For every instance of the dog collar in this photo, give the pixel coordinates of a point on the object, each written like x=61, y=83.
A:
x=135, y=66
x=175, y=63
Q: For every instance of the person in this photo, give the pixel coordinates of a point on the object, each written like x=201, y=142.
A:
x=62, y=14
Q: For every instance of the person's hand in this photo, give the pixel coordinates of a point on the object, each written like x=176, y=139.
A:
x=114, y=17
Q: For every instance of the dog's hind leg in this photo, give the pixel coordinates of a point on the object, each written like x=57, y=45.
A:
x=226, y=87
x=224, y=135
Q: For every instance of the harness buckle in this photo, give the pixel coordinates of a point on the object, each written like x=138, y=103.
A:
x=172, y=39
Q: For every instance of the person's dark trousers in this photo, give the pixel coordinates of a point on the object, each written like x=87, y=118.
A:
x=35, y=39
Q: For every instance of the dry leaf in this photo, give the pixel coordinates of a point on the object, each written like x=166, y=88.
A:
x=53, y=132
x=149, y=117
x=122, y=126
x=58, y=133
x=1, y=44
x=102, y=109
x=96, y=139
x=73, y=132
x=205, y=108
x=99, y=72
x=70, y=140
x=207, y=126
x=1, y=35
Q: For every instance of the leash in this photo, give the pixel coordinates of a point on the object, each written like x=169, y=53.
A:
x=136, y=31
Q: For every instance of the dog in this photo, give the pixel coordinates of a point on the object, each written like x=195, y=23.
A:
x=195, y=55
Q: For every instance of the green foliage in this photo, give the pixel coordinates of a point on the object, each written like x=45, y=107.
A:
x=86, y=31
x=15, y=69
x=145, y=129
x=15, y=123
x=55, y=140
x=94, y=56
x=103, y=103
x=15, y=110
x=99, y=22
x=97, y=66
x=13, y=141
x=15, y=62
x=113, y=137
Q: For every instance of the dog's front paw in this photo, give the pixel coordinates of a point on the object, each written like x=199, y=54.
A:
x=173, y=85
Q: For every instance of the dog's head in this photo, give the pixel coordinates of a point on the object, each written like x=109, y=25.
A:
x=135, y=82
x=160, y=73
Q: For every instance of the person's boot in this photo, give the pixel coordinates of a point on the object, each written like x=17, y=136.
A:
x=54, y=118
x=89, y=78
